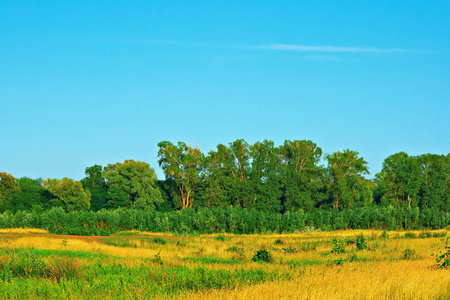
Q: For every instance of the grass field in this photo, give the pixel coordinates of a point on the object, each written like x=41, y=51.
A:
x=351, y=264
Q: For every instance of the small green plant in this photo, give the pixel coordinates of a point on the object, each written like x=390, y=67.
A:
x=157, y=258
x=361, y=242
x=221, y=238
x=309, y=246
x=290, y=249
x=425, y=234
x=338, y=245
x=409, y=254
x=410, y=235
x=262, y=255
x=350, y=241
x=158, y=240
x=181, y=243
x=443, y=258
x=440, y=234
x=384, y=235
x=278, y=242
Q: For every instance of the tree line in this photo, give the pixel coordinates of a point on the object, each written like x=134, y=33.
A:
x=293, y=177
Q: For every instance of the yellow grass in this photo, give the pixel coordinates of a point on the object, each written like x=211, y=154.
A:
x=23, y=231
x=379, y=273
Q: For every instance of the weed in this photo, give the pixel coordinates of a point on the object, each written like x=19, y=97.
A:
x=159, y=240
x=410, y=235
x=262, y=255
x=409, y=254
x=290, y=249
x=279, y=242
x=338, y=245
x=443, y=258
x=221, y=238
x=361, y=242
x=309, y=246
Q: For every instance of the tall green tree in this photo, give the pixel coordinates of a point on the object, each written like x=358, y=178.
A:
x=301, y=175
x=217, y=181
x=434, y=190
x=70, y=192
x=96, y=184
x=183, y=164
x=32, y=195
x=8, y=189
x=132, y=184
x=240, y=167
x=400, y=180
x=264, y=178
x=346, y=183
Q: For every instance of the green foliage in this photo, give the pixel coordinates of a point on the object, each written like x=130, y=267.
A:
x=8, y=189
x=262, y=256
x=213, y=260
x=159, y=240
x=290, y=249
x=309, y=246
x=338, y=245
x=443, y=258
x=278, y=242
x=221, y=238
x=132, y=183
x=361, y=242
x=346, y=184
x=70, y=192
x=410, y=235
x=409, y=254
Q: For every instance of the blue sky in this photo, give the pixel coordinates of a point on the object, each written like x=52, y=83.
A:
x=97, y=82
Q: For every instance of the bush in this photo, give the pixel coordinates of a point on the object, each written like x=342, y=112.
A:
x=361, y=242
x=409, y=254
x=278, y=242
x=290, y=249
x=410, y=235
x=338, y=245
x=262, y=255
x=443, y=258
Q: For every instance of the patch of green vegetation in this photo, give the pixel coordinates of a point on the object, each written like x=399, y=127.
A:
x=212, y=260
x=304, y=263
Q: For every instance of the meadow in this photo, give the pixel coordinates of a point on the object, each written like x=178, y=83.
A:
x=345, y=264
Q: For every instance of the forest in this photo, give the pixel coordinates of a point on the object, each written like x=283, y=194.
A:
x=240, y=188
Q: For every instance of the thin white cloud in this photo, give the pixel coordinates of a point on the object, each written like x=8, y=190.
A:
x=305, y=48
x=271, y=47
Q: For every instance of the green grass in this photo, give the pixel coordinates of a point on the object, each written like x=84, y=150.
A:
x=212, y=260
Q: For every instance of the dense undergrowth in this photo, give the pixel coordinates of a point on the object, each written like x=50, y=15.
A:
x=225, y=219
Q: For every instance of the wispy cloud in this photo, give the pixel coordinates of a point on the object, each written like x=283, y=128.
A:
x=269, y=47
x=306, y=48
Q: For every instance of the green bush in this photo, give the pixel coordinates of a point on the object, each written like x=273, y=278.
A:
x=338, y=245
x=443, y=258
x=409, y=254
x=361, y=242
x=262, y=255
x=290, y=249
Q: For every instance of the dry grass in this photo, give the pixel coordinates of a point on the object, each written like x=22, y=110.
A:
x=378, y=273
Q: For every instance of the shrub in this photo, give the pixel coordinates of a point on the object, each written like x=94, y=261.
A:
x=410, y=235
x=158, y=240
x=409, y=254
x=443, y=258
x=290, y=249
x=338, y=245
x=278, y=242
x=262, y=255
x=309, y=246
x=220, y=237
x=361, y=242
